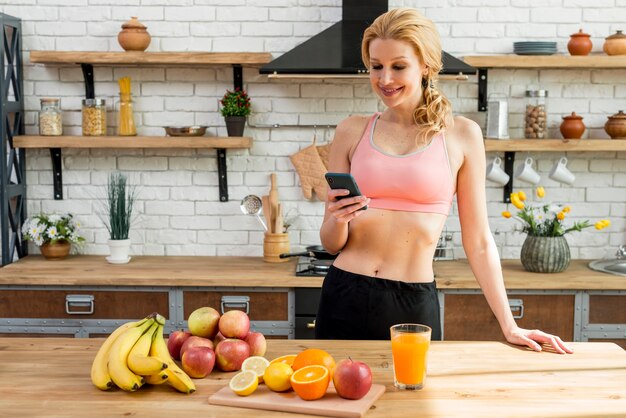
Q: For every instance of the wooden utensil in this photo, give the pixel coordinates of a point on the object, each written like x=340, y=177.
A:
x=267, y=212
x=273, y=196
x=279, y=220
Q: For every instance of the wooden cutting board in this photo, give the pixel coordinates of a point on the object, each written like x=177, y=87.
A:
x=330, y=405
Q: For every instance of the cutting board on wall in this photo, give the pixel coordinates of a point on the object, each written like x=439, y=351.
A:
x=330, y=405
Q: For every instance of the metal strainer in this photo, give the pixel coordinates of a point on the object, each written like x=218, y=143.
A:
x=252, y=205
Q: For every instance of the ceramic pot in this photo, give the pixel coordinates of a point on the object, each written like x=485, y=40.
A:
x=579, y=43
x=119, y=249
x=235, y=125
x=134, y=36
x=57, y=251
x=615, y=44
x=616, y=125
x=572, y=126
x=545, y=254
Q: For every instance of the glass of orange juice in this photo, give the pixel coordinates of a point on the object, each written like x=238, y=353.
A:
x=409, y=349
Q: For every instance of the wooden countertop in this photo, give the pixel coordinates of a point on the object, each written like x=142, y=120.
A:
x=90, y=270
x=50, y=377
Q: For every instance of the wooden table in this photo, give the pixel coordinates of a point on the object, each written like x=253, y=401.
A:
x=50, y=377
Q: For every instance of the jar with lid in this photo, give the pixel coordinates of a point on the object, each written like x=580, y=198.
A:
x=536, y=118
x=94, y=117
x=50, y=118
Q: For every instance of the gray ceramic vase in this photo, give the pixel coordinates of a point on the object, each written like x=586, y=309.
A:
x=545, y=254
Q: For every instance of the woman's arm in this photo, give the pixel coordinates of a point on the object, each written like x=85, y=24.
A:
x=478, y=242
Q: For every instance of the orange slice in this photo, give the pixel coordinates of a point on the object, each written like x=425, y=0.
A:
x=310, y=382
x=288, y=359
x=314, y=356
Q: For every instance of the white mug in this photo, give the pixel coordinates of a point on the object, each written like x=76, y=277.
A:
x=526, y=173
x=495, y=173
x=561, y=173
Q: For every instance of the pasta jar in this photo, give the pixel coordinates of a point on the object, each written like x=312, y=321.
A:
x=50, y=118
x=94, y=117
x=536, y=120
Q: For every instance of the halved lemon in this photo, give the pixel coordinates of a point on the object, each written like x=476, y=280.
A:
x=288, y=359
x=277, y=376
x=257, y=364
x=310, y=382
x=244, y=383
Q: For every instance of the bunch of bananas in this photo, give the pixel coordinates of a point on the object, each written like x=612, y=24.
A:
x=136, y=353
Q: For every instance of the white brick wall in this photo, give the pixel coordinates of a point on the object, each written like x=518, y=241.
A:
x=180, y=212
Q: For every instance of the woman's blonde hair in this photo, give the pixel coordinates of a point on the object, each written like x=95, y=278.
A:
x=408, y=25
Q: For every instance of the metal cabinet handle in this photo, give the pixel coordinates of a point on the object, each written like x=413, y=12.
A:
x=236, y=302
x=310, y=325
x=517, y=305
x=79, y=301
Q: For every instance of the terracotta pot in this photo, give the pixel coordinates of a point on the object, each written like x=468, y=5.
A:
x=579, y=43
x=56, y=251
x=616, y=125
x=545, y=254
x=134, y=36
x=572, y=126
x=615, y=44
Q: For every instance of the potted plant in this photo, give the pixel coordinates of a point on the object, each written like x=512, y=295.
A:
x=235, y=109
x=53, y=234
x=545, y=249
x=120, y=202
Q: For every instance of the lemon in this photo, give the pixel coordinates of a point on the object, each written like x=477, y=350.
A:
x=257, y=364
x=277, y=377
x=244, y=383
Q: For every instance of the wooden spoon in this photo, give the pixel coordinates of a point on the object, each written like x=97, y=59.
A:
x=267, y=212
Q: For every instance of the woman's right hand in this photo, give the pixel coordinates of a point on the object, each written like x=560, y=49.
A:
x=346, y=209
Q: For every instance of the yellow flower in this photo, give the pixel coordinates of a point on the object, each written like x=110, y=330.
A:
x=522, y=195
x=560, y=216
x=566, y=209
x=602, y=223
x=515, y=200
x=506, y=214
x=540, y=191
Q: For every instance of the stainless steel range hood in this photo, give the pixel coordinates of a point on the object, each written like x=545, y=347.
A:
x=337, y=50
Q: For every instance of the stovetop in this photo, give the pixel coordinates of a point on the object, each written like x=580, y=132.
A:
x=305, y=268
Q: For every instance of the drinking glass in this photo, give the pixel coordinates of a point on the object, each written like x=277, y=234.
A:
x=409, y=349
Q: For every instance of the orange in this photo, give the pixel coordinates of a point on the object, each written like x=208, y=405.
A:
x=314, y=356
x=288, y=359
x=310, y=382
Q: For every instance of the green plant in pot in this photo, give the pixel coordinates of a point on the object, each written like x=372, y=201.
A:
x=54, y=234
x=235, y=109
x=119, y=205
x=545, y=249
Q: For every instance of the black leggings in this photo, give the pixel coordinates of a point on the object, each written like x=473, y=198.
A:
x=358, y=307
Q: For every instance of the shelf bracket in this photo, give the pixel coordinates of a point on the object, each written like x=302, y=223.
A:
x=509, y=160
x=238, y=76
x=482, y=89
x=57, y=173
x=221, y=172
x=90, y=90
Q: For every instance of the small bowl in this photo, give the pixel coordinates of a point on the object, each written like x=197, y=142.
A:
x=185, y=130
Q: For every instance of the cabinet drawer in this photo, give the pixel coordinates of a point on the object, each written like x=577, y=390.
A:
x=468, y=317
x=607, y=309
x=109, y=304
x=262, y=306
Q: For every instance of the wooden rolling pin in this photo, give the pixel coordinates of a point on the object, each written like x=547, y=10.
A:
x=273, y=197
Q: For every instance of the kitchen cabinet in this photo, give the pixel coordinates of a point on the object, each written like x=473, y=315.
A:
x=604, y=317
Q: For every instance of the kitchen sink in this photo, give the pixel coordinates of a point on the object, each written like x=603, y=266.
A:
x=615, y=266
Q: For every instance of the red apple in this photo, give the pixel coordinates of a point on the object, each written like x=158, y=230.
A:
x=234, y=324
x=194, y=341
x=352, y=379
x=176, y=341
x=203, y=322
x=218, y=339
x=198, y=362
x=257, y=343
x=230, y=353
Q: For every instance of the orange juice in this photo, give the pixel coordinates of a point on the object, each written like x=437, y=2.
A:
x=409, y=351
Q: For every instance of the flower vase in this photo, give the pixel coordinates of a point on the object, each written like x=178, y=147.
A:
x=55, y=251
x=235, y=125
x=119, y=249
x=545, y=254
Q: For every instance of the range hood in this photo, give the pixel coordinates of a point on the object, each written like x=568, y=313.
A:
x=337, y=50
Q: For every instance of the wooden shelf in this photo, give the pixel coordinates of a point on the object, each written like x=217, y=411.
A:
x=546, y=61
x=555, y=145
x=231, y=142
x=150, y=58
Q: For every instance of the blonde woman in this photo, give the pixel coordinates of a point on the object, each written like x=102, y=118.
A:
x=408, y=162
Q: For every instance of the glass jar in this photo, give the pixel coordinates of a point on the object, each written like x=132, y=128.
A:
x=50, y=118
x=125, y=117
x=94, y=117
x=536, y=119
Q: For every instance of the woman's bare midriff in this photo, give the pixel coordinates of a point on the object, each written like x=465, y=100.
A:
x=393, y=245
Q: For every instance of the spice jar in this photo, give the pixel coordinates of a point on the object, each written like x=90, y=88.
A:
x=50, y=118
x=94, y=117
x=125, y=116
x=536, y=120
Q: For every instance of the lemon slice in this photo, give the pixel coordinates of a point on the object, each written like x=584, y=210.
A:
x=256, y=364
x=244, y=383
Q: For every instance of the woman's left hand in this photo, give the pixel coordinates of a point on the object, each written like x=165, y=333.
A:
x=531, y=338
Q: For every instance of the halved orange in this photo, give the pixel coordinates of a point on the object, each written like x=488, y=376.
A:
x=314, y=356
x=288, y=359
x=310, y=382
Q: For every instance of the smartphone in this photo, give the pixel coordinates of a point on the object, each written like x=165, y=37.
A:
x=344, y=181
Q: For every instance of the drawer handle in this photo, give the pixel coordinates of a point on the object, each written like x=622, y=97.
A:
x=310, y=325
x=517, y=305
x=79, y=301
x=236, y=302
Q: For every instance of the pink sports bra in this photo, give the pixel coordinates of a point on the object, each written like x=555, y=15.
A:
x=420, y=181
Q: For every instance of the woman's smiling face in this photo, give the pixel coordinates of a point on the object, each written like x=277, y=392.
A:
x=396, y=72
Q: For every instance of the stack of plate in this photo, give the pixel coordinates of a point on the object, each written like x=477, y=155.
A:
x=534, y=48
